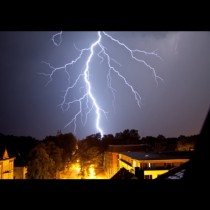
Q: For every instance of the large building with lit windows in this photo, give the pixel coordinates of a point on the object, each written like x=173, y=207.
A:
x=152, y=164
x=111, y=156
x=6, y=166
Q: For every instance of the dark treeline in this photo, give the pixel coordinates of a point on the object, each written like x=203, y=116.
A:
x=51, y=156
x=23, y=145
x=46, y=158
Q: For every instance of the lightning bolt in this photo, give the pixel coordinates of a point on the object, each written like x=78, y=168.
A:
x=55, y=37
x=88, y=99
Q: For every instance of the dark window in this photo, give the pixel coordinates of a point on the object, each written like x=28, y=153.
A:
x=148, y=177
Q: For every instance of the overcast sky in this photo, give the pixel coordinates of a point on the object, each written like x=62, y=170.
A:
x=176, y=105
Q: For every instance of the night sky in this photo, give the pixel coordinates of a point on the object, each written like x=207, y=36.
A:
x=175, y=106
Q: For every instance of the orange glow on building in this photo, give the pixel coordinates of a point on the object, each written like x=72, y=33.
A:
x=91, y=172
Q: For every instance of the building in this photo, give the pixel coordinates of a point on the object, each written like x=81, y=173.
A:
x=175, y=173
x=152, y=164
x=6, y=166
x=111, y=156
x=20, y=169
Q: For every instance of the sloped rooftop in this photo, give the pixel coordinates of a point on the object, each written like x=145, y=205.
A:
x=124, y=174
x=158, y=156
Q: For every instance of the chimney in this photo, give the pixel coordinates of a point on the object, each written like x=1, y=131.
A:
x=139, y=173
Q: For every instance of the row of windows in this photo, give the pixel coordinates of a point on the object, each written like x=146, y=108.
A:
x=154, y=165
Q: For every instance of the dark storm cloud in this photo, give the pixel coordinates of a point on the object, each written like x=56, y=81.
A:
x=177, y=106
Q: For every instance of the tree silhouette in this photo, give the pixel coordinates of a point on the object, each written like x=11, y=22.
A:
x=128, y=137
x=87, y=155
x=40, y=165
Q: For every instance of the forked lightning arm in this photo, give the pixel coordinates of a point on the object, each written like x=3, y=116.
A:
x=88, y=99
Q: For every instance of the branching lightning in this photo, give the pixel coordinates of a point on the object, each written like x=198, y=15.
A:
x=88, y=99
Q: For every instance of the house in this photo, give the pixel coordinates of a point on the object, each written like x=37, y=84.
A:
x=6, y=165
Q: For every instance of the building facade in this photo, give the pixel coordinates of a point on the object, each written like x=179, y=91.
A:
x=6, y=166
x=20, y=168
x=151, y=163
x=111, y=156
